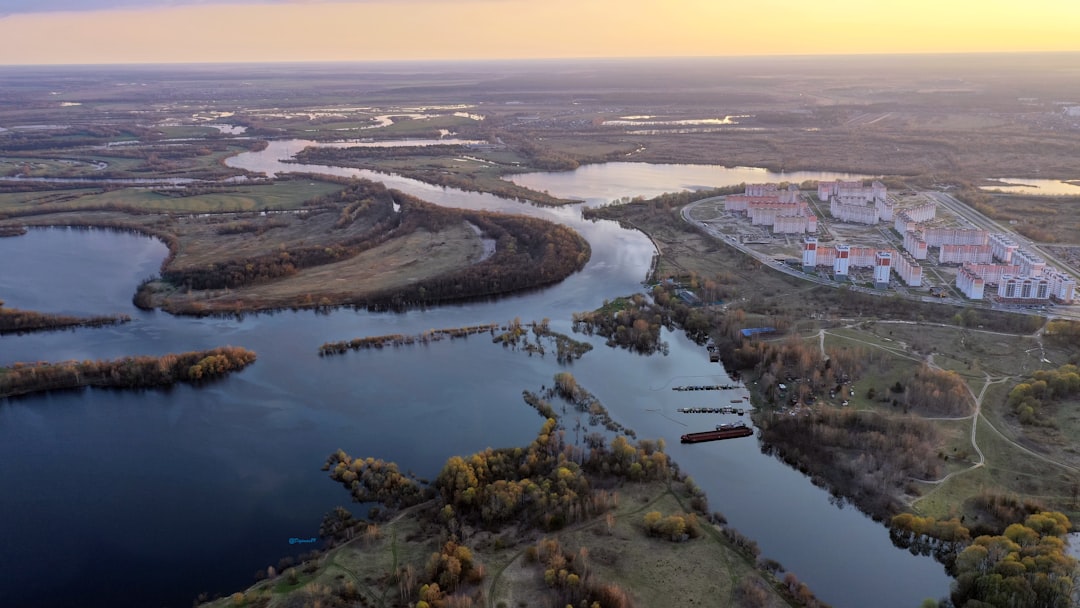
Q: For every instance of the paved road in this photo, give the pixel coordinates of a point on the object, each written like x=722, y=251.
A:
x=980, y=221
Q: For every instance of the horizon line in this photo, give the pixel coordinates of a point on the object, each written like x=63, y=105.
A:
x=549, y=59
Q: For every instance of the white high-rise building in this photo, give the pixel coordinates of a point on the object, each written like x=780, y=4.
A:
x=921, y=213
x=1004, y=247
x=904, y=222
x=909, y=270
x=1062, y=286
x=1024, y=289
x=882, y=267
x=1030, y=264
x=970, y=284
x=960, y=254
x=991, y=273
x=915, y=245
x=936, y=237
x=841, y=264
x=809, y=254
x=767, y=205
x=850, y=201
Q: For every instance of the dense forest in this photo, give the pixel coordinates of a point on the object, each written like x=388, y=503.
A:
x=128, y=372
x=1025, y=565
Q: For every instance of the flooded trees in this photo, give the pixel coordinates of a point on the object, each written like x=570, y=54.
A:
x=128, y=372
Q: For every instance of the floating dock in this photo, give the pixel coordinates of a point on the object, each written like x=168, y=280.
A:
x=706, y=387
x=711, y=410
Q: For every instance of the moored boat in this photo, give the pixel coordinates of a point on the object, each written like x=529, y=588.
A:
x=723, y=431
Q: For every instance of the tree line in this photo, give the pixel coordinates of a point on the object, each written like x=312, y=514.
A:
x=529, y=253
x=1027, y=564
x=1030, y=399
x=127, y=372
x=431, y=335
x=1062, y=332
x=13, y=320
x=863, y=456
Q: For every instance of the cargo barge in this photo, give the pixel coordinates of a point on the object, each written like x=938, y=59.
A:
x=723, y=431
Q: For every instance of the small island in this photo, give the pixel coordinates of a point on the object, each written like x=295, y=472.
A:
x=128, y=372
x=15, y=321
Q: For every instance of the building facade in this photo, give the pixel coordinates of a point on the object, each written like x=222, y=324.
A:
x=970, y=284
x=915, y=245
x=882, y=269
x=936, y=237
x=908, y=269
x=781, y=209
x=991, y=273
x=960, y=254
x=1004, y=247
x=851, y=201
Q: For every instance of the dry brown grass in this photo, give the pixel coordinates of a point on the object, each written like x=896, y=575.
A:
x=416, y=256
x=654, y=572
x=1047, y=219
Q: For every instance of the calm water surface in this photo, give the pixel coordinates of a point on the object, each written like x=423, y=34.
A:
x=606, y=182
x=1049, y=187
x=147, y=498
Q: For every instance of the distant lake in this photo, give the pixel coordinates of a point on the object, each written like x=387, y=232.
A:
x=607, y=182
x=1024, y=185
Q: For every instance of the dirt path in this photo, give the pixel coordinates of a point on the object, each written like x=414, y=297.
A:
x=976, y=415
x=491, y=597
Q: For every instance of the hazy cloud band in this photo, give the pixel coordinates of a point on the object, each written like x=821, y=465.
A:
x=11, y=7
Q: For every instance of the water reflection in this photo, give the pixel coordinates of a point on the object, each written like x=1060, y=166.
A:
x=1024, y=185
x=606, y=182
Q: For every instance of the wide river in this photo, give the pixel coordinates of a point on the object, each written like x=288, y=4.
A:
x=147, y=498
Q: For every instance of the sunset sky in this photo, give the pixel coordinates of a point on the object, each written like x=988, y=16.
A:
x=167, y=31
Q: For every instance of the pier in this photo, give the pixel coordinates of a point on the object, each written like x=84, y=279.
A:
x=706, y=387
x=711, y=410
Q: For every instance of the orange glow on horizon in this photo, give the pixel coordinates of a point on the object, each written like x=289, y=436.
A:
x=513, y=29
